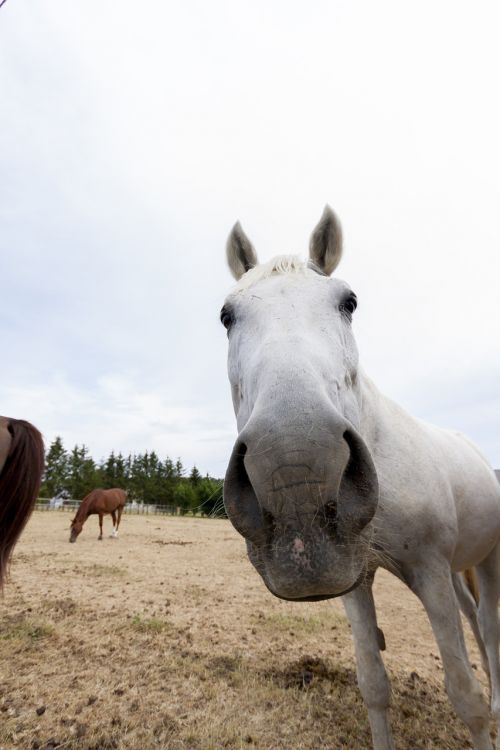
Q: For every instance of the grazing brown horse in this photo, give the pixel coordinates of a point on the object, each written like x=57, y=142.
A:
x=99, y=502
x=21, y=468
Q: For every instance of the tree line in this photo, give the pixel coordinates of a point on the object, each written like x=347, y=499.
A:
x=145, y=477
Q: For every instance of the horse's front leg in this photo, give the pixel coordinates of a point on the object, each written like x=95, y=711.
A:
x=118, y=517
x=372, y=677
x=113, y=516
x=99, y=538
x=434, y=587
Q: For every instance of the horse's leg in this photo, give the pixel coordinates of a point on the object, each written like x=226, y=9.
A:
x=116, y=515
x=99, y=538
x=469, y=608
x=488, y=573
x=113, y=516
x=372, y=678
x=119, y=518
x=434, y=587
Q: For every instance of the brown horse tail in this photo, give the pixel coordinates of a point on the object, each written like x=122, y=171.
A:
x=20, y=481
x=472, y=584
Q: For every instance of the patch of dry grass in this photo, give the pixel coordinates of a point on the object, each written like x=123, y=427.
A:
x=149, y=624
x=166, y=638
x=25, y=629
x=286, y=622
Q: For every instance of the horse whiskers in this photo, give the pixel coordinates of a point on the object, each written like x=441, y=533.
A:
x=215, y=492
x=218, y=510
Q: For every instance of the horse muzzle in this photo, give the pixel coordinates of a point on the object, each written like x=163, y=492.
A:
x=304, y=504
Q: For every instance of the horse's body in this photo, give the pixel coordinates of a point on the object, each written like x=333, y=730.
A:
x=99, y=502
x=21, y=468
x=330, y=480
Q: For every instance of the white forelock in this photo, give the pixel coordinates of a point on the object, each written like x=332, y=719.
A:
x=278, y=264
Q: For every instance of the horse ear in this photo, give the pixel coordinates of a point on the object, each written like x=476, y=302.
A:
x=325, y=245
x=241, y=255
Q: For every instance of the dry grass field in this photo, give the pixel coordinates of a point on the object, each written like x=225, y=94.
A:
x=166, y=638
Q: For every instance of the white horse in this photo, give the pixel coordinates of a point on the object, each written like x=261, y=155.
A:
x=329, y=479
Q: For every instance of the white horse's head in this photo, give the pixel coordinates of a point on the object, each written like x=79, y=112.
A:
x=301, y=486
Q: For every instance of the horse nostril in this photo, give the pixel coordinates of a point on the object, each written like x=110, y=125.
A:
x=240, y=466
x=270, y=524
x=329, y=520
x=240, y=500
x=358, y=493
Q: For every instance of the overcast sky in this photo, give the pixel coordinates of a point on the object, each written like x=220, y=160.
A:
x=133, y=135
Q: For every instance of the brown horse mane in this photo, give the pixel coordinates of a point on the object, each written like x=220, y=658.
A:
x=20, y=482
x=82, y=508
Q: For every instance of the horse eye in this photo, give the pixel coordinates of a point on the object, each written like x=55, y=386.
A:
x=349, y=305
x=226, y=317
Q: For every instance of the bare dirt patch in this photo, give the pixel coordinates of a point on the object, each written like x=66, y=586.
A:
x=166, y=638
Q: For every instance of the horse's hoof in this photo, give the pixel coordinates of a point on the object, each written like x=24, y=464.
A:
x=99, y=538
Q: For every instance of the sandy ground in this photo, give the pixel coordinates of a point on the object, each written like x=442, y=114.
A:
x=166, y=638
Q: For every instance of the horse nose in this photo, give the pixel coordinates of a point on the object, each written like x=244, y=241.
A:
x=294, y=478
x=294, y=463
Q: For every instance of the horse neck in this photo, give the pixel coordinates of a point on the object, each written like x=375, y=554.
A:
x=380, y=416
x=83, y=511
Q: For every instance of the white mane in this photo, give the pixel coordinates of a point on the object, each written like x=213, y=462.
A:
x=278, y=264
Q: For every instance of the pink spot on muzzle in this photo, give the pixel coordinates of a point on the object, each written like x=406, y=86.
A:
x=298, y=554
x=298, y=546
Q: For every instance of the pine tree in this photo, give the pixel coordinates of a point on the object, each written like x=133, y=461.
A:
x=56, y=469
x=195, y=476
x=165, y=482
x=82, y=473
x=108, y=472
x=120, y=472
x=169, y=468
x=137, y=477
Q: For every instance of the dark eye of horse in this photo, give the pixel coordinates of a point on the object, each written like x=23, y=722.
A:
x=226, y=317
x=348, y=306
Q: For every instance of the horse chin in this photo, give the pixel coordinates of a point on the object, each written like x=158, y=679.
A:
x=318, y=597
x=320, y=572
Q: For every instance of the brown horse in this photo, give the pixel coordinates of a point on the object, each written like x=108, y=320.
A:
x=99, y=502
x=21, y=469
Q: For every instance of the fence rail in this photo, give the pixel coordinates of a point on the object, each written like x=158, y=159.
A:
x=138, y=508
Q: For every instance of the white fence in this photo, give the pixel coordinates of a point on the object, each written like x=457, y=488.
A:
x=132, y=507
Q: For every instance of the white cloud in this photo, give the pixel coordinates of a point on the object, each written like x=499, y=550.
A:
x=116, y=414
